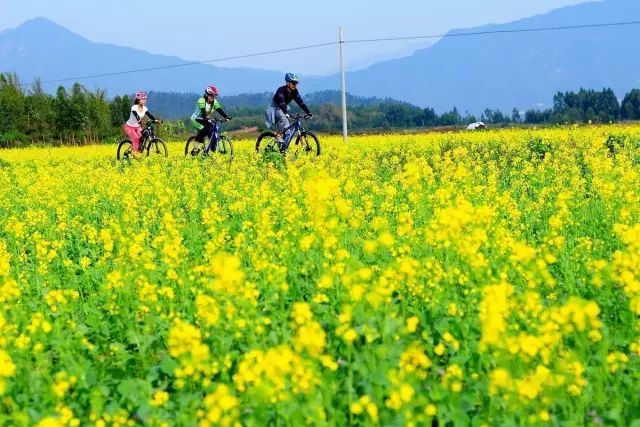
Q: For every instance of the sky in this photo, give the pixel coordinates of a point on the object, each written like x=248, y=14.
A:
x=198, y=30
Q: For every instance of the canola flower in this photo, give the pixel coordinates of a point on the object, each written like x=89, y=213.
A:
x=456, y=278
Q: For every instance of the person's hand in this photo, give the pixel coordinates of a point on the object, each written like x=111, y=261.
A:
x=229, y=118
x=309, y=116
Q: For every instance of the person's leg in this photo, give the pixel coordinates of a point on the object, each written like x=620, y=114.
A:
x=138, y=131
x=282, y=123
x=205, y=129
x=270, y=117
x=134, y=135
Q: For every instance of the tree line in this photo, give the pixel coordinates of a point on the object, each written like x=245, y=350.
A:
x=81, y=116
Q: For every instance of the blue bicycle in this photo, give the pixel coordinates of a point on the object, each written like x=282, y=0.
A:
x=218, y=143
x=305, y=142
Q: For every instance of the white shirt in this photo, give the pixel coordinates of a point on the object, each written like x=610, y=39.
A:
x=133, y=122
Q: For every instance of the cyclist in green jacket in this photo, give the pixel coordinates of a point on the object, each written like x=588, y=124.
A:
x=201, y=118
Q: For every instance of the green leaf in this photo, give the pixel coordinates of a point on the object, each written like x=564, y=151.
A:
x=135, y=391
x=168, y=365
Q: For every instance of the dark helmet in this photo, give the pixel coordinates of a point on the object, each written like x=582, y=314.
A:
x=291, y=78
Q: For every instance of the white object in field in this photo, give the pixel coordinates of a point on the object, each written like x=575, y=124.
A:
x=476, y=126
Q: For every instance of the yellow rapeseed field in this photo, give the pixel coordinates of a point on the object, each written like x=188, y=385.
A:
x=487, y=278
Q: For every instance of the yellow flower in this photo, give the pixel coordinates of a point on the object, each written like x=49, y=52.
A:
x=160, y=398
x=412, y=324
x=302, y=313
x=431, y=410
x=386, y=239
x=50, y=422
x=350, y=335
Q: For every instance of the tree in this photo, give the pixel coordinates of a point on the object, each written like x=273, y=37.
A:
x=630, y=109
x=451, y=118
x=120, y=110
x=62, y=110
x=11, y=103
x=40, y=112
x=78, y=109
x=99, y=113
x=515, y=116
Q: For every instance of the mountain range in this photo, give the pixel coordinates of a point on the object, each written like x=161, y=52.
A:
x=504, y=70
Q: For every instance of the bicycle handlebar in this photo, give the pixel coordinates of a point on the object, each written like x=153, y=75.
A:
x=301, y=116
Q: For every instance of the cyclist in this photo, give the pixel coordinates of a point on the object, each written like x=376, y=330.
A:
x=278, y=112
x=132, y=128
x=201, y=118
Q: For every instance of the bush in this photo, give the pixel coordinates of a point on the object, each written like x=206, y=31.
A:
x=13, y=139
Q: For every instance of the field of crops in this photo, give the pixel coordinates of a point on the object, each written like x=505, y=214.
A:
x=487, y=278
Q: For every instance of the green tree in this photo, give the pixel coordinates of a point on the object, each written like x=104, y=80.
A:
x=40, y=113
x=78, y=109
x=120, y=110
x=12, y=114
x=99, y=114
x=630, y=109
x=515, y=115
x=62, y=110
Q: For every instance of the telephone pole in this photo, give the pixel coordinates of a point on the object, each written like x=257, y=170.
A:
x=345, y=131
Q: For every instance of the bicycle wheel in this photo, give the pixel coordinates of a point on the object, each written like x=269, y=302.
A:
x=307, y=143
x=157, y=147
x=267, y=142
x=225, y=147
x=125, y=150
x=193, y=148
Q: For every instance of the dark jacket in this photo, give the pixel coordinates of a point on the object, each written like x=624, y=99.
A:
x=284, y=96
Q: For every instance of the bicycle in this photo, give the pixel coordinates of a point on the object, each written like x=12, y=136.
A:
x=217, y=143
x=148, y=141
x=306, y=142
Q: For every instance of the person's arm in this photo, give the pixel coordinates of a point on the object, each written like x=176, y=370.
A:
x=151, y=116
x=136, y=115
x=219, y=110
x=223, y=114
x=280, y=100
x=301, y=103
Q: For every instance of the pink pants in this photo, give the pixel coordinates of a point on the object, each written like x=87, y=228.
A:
x=134, y=135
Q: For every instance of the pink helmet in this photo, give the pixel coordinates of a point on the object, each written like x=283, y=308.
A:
x=211, y=90
x=141, y=95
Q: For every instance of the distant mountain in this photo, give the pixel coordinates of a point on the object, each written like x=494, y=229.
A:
x=42, y=48
x=518, y=69
x=502, y=71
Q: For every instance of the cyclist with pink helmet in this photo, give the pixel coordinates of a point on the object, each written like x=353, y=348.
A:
x=132, y=128
x=201, y=118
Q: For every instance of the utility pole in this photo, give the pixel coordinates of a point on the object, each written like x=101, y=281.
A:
x=345, y=131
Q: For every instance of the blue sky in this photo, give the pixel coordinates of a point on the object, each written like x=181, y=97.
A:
x=203, y=30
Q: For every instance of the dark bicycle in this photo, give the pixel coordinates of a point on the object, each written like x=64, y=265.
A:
x=218, y=143
x=149, y=143
x=306, y=142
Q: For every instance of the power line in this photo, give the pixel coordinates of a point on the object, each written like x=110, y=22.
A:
x=479, y=33
x=187, y=64
x=357, y=41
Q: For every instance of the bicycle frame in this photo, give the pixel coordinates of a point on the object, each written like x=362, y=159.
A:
x=148, y=134
x=214, y=139
x=298, y=129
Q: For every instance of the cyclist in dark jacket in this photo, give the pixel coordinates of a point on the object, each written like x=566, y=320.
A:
x=278, y=112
